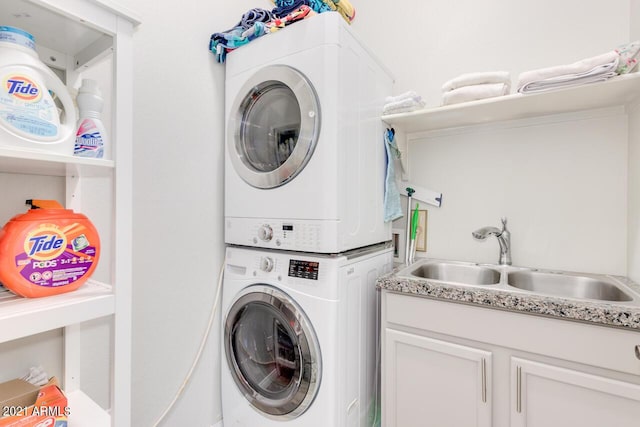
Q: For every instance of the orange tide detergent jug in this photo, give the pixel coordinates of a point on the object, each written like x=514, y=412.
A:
x=48, y=250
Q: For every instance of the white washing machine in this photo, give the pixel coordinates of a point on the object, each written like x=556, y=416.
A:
x=299, y=337
x=305, y=158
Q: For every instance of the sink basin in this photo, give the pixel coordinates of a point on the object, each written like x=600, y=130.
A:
x=459, y=273
x=565, y=285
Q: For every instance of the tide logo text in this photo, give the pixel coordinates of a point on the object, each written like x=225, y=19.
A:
x=22, y=88
x=45, y=243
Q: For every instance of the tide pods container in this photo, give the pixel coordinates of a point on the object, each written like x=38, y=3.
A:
x=47, y=251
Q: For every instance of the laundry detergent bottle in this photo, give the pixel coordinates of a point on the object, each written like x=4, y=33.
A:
x=47, y=251
x=91, y=137
x=29, y=117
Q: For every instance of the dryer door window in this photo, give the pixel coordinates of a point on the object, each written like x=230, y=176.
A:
x=273, y=126
x=272, y=352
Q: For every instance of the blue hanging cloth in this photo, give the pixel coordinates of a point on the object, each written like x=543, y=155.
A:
x=392, y=206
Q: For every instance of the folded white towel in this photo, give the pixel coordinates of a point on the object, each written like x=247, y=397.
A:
x=588, y=70
x=471, y=79
x=475, y=92
x=403, y=106
x=407, y=95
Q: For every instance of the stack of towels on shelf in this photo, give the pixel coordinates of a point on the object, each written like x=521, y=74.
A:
x=476, y=86
x=403, y=103
x=589, y=70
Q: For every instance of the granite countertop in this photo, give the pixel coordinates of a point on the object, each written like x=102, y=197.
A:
x=616, y=314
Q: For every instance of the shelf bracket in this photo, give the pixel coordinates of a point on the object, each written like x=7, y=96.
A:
x=421, y=194
x=94, y=52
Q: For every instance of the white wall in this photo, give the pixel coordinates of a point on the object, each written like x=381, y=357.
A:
x=178, y=212
x=562, y=185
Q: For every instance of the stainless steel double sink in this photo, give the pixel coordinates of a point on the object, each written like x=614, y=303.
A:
x=582, y=286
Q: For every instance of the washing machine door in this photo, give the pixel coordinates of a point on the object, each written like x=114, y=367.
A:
x=272, y=352
x=273, y=126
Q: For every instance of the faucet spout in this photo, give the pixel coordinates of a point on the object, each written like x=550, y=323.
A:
x=483, y=232
x=504, y=240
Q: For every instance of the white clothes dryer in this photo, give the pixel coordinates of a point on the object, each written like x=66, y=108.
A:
x=299, y=337
x=305, y=159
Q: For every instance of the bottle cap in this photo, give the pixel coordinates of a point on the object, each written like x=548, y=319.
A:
x=17, y=36
x=89, y=86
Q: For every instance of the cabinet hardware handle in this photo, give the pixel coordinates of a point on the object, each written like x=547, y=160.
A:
x=638, y=351
x=519, y=389
x=484, y=380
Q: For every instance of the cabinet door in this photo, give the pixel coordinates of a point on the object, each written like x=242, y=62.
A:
x=548, y=396
x=428, y=382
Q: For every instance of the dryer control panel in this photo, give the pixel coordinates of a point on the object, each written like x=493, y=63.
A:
x=294, y=235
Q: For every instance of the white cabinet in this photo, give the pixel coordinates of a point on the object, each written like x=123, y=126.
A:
x=73, y=36
x=433, y=382
x=547, y=395
x=446, y=363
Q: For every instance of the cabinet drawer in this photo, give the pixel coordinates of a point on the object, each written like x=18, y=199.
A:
x=604, y=347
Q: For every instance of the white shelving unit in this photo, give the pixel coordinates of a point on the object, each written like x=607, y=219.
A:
x=72, y=36
x=622, y=90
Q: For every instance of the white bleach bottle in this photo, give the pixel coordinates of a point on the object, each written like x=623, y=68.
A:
x=29, y=117
x=91, y=137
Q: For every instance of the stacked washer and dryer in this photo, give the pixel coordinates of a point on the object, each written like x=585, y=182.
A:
x=304, y=186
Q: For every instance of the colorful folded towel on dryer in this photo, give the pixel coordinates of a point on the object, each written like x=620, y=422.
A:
x=403, y=103
x=254, y=23
x=589, y=70
x=343, y=7
x=250, y=27
x=301, y=13
x=283, y=8
x=475, y=93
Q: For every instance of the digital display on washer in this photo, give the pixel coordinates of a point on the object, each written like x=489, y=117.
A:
x=304, y=269
x=287, y=227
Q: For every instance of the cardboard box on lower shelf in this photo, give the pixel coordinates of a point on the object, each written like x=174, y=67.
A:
x=26, y=405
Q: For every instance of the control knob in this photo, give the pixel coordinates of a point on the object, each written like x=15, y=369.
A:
x=265, y=232
x=266, y=264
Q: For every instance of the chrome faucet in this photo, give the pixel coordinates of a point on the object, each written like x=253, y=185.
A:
x=504, y=239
